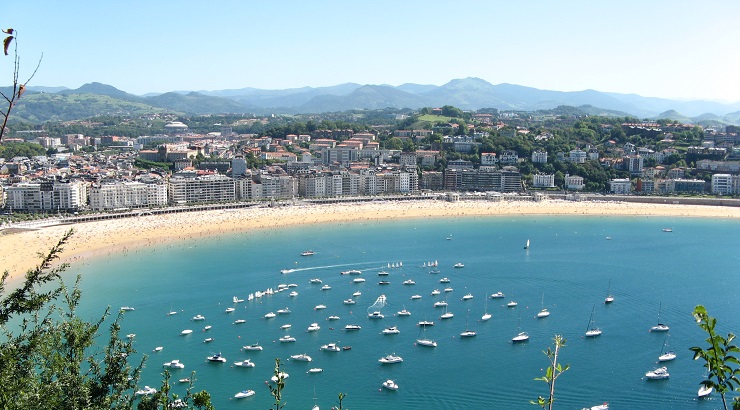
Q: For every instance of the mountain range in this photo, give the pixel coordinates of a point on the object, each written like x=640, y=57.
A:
x=57, y=103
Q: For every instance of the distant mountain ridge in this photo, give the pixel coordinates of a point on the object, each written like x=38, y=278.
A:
x=467, y=94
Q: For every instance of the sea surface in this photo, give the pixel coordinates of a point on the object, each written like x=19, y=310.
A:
x=571, y=264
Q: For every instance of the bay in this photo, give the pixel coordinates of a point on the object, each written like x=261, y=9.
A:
x=567, y=269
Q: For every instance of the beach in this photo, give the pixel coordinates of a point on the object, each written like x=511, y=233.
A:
x=94, y=239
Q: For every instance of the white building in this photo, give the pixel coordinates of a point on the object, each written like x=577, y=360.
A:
x=573, y=182
x=47, y=196
x=620, y=186
x=725, y=184
x=578, y=156
x=539, y=157
x=205, y=188
x=488, y=159
x=543, y=181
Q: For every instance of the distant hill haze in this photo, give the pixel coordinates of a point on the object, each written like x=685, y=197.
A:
x=43, y=103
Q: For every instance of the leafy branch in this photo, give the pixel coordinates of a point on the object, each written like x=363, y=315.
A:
x=552, y=373
x=18, y=87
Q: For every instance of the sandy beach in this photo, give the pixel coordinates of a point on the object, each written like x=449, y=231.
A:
x=20, y=249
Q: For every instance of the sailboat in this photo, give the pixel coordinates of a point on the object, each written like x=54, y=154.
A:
x=527, y=245
x=315, y=406
x=666, y=356
x=544, y=312
x=521, y=336
x=590, y=330
x=486, y=315
x=423, y=341
x=468, y=332
x=609, y=298
x=660, y=327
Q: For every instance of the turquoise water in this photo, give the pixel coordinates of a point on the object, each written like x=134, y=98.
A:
x=568, y=268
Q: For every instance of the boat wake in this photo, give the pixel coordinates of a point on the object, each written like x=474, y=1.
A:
x=327, y=267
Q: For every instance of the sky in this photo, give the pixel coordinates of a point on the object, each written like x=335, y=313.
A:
x=675, y=49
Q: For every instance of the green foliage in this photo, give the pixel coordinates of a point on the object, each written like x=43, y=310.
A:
x=277, y=390
x=339, y=403
x=720, y=357
x=552, y=373
x=21, y=149
x=146, y=164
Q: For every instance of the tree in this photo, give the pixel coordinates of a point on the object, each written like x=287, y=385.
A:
x=720, y=360
x=552, y=373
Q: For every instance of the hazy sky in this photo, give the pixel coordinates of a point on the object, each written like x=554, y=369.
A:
x=671, y=49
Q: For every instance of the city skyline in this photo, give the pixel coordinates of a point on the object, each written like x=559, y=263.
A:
x=669, y=50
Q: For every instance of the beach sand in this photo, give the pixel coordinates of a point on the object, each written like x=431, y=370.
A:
x=20, y=249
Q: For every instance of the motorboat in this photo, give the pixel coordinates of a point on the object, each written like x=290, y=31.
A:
x=131, y=335
x=658, y=374
x=286, y=326
x=313, y=327
x=667, y=229
x=199, y=317
x=409, y=282
x=319, y=307
x=448, y=289
x=301, y=357
x=283, y=311
x=315, y=370
x=254, y=346
x=127, y=308
x=349, y=301
x=287, y=339
x=390, y=385
x=415, y=297
x=237, y=300
x=358, y=280
x=174, y=364
x=458, y=265
x=382, y=273
x=376, y=315
x=391, y=358
x=704, y=391
x=351, y=272
x=384, y=282
x=602, y=406
x=332, y=318
x=425, y=323
x=284, y=271
x=281, y=375
x=229, y=310
x=444, y=280
x=356, y=294
x=511, y=304
x=315, y=280
x=426, y=342
x=520, y=337
x=468, y=296
x=440, y=303
x=325, y=287
x=468, y=333
x=244, y=363
x=543, y=313
x=293, y=294
x=292, y=285
x=497, y=295
x=393, y=330
x=403, y=312
x=146, y=391
x=434, y=271
x=269, y=315
x=307, y=253
x=216, y=358
x=244, y=393
x=207, y=327
x=171, y=312
x=352, y=327
x=158, y=349
x=208, y=340
x=330, y=347
x=436, y=292
x=186, y=332
x=184, y=380
x=239, y=321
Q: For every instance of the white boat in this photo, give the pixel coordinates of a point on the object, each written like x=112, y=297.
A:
x=172, y=312
x=216, y=358
x=527, y=245
x=393, y=330
x=199, y=317
x=704, y=391
x=239, y=321
x=244, y=393
x=424, y=323
x=127, y=308
x=254, y=346
x=251, y=296
x=229, y=310
x=351, y=272
x=660, y=327
x=468, y=296
x=658, y=374
x=287, y=339
x=208, y=340
x=292, y=285
x=390, y=385
x=356, y=294
x=301, y=357
x=358, y=280
x=349, y=301
x=207, y=327
x=426, y=342
x=520, y=337
x=186, y=332
x=158, y=349
x=444, y=280
x=269, y=315
x=332, y=318
x=319, y=307
x=244, y=363
x=448, y=289
x=409, y=282
x=375, y=315
x=175, y=364
x=544, y=312
x=391, y=358
x=667, y=229
x=330, y=347
x=307, y=253
x=146, y=391
x=284, y=271
x=382, y=273
x=315, y=370
x=486, y=315
x=511, y=304
x=286, y=326
x=434, y=271
x=384, y=282
x=415, y=297
x=283, y=311
x=131, y=335
x=325, y=287
x=458, y=265
x=184, y=380
x=352, y=327
x=446, y=315
x=592, y=331
x=602, y=406
x=293, y=294
x=281, y=375
x=313, y=327
x=666, y=356
x=403, y=312
x=609, y=297
x=497, y=295
x=237, y=300
x=315, y=280
x=468, y=333
x=436, y=292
